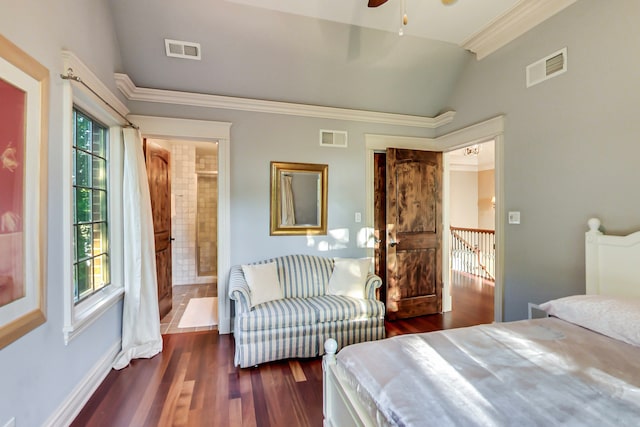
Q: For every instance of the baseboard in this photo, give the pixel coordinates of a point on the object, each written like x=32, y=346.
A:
x=73, y=404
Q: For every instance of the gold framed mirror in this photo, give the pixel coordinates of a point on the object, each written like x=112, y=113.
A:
x=298, y=199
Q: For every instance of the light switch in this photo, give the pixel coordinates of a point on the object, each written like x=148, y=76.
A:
x=358, y=217
x=514, y=217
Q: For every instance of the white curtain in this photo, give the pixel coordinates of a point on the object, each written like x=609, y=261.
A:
x=288, y=214
x=141, y=336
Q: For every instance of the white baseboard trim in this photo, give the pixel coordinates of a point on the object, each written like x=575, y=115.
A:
x=73, y=404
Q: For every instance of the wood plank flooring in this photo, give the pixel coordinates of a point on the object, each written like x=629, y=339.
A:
x=193, y=381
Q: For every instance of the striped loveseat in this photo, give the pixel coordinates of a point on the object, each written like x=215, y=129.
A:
x=298, y=324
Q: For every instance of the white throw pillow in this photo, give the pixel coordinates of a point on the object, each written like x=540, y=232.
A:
x=263, y=282
x=615, y=317
x=349, y=277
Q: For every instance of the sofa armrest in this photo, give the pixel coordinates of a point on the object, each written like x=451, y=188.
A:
x=239, y=290
x=373, y=282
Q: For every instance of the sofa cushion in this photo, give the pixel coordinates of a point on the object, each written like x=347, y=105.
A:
x=280, y=313
x=349, y=276
x=263, y=282
x=303, y=276
x=330, y=308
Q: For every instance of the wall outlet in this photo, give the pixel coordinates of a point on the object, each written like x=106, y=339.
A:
x=358, y=217
x=514, y=217
x=11, y=423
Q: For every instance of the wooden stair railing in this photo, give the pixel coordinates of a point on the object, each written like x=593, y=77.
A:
x=473, y=251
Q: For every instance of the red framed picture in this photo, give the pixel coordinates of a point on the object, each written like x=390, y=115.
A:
x=24, y=91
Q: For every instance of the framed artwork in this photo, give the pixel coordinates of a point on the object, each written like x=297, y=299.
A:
x=24, y=93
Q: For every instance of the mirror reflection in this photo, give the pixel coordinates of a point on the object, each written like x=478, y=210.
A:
x=298, y=198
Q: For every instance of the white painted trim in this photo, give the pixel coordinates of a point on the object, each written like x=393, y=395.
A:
x=524, y=16
x=162, y=96
x=70, y=60
x=170, y=128
x=208, y=131
x=498, y=292
x=470, y=135
x=447, y=303
x=75, y=401
x=492, y=129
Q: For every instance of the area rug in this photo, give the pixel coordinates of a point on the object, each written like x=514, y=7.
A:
x=200, y=312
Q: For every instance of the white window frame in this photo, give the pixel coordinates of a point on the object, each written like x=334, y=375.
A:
x=77, y=317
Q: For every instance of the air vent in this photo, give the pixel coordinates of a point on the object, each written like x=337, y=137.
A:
x=333, y=138
x=180, y=49
x=550, y=66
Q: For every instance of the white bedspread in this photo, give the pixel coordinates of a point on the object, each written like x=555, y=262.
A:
x=543, y=372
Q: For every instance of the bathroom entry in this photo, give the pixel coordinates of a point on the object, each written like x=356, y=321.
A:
x=194, y=232
x=194, y=208
x=194, y=212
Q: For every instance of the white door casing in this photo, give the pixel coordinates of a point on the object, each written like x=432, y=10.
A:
x=207, y=131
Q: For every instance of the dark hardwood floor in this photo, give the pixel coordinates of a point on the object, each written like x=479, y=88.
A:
x=193, y=381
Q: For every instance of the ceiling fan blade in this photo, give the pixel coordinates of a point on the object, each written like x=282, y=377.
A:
x=376, y=3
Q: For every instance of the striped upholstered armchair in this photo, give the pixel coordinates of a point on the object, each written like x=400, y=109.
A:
x=298, y=323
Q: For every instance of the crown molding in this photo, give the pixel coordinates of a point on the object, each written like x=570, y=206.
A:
x=518, y=20
x=70, y=60
x=474, y=134
x=134, y=93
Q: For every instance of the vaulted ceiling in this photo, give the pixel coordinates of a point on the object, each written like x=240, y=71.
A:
x=350, y=57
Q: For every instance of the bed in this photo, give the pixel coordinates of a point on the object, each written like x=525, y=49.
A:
x=579, y=366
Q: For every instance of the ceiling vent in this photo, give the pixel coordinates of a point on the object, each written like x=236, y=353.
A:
x=333, y=138
x=546, y=68
x=180, y=49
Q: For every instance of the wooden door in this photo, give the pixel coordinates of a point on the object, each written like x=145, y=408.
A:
x=380, y=222
x=159, y=174
x=414, y=233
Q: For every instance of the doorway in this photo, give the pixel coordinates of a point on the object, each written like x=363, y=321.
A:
x=492, y=129
x=193, y=205
x=168, y=128
x=471, y=232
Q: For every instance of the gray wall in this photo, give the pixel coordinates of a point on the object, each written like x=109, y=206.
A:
x=256, y=140
x=38, y=372
x=571, y=143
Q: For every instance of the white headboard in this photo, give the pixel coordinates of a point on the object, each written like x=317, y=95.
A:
x=612, y=262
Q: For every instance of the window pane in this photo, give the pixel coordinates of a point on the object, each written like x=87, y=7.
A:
x=83, y=205
x=83, y=132
x=75, y=167
x=83, y=169
x=99, y=173
x=99, y=205
x=75, y=204
x=84, y=286
x=83, y=237
x=99, y=141
x=100, y=239
x=74, y=246
x=90, y=214
x=100, y=272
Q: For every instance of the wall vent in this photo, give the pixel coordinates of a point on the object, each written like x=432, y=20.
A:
x=180, y=49
x=333, y=138
x=546, y=68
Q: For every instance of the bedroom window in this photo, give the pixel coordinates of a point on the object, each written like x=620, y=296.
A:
x=91, y=266
x=92, y=165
